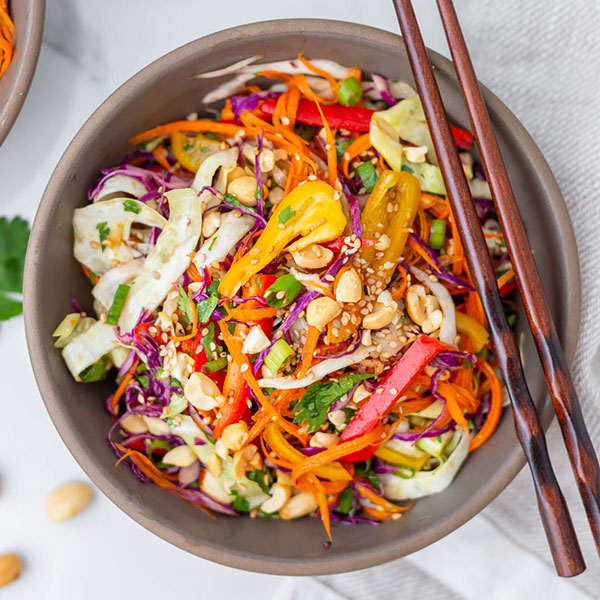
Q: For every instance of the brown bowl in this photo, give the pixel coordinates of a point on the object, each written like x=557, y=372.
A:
x=28, y=17
x=165, y=91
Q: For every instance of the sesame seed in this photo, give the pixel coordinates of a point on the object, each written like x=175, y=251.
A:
x=244, y=367
x=379, y=391
x=156, y=275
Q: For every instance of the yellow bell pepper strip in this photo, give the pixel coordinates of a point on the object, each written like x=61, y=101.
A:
x=274, y=437
x=399, y=458
x=476, y=331
x=402, y=191
x=192, y=151
x=312, y=213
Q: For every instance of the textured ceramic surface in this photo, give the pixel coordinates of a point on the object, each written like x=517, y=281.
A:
x=28, y=17
x=165, y=91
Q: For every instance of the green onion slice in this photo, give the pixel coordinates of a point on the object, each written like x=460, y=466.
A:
x=437, y=237
x=280, y=354
x=349, y=92
x=283, y=291
x=114, y=312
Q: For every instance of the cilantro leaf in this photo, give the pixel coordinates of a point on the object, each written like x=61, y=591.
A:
x=262, y=478
x=9, y=308
x=239, y=502
x=233, y=201
x=183, y=303
x=312, y=408
x=206, y=308
x=131, y=206
x=103, y=233
x=286, y=214
x=14, y=236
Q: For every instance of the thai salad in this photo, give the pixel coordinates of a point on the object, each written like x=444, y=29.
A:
x=281, y=298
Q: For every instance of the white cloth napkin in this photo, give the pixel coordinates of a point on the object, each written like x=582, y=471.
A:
x=542, y=57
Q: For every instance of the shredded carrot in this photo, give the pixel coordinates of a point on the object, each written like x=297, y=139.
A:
x=114, y=403
x=280, y=462
x=227, y=115
x=384, y=504
x=415, y=247
x=358, y=146
x=200, y=126
x=312, y=338
x=91, y=276
x=338, y=452
x=493, y=234
x=7, y=39
x=321, y=72
x=193, y=273
x=415, y=405
x=493, y=417
x=312, y=484
x=292, y=104
x=194, y=332
x=505, y=277
x=161, y=479
x=331, y=151
x=307, y=91
x=241, y=313
x=334, y=487
x=376, y=513
x=423, y=225
x=453, y=408
x=399, y=292
x=322, y=288
x=355, y=72
x=160, y=154
x=241, y=359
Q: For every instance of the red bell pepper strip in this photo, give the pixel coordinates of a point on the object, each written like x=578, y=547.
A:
x=336, y=245
x=257, y=286
x=235, y=391
x=354, y=118
x=235, y=388
x=507, y=288
x=400, y=377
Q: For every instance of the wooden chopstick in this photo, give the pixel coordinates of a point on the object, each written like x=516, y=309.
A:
x=556, y=370
x=551, y=503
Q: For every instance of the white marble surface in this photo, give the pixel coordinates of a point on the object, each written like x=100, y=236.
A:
x=89, y=49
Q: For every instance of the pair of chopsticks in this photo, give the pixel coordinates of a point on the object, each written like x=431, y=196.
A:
x=552, y=506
